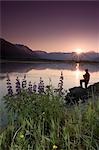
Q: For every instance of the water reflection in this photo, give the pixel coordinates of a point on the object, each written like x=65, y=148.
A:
x=77, y=71
x=72, y=72
x=26, y=67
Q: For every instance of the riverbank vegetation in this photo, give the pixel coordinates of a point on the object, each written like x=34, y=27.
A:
x=42, y=120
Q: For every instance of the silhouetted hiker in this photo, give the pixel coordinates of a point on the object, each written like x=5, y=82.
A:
x=86, y=77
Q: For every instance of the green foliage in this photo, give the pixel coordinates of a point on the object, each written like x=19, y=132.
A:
x=43, y=122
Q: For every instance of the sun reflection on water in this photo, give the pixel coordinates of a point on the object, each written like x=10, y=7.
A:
x=78, y=73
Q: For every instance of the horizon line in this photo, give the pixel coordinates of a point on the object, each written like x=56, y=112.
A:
x=55, y=51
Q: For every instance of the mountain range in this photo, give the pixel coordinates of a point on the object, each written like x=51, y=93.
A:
x=20, y=52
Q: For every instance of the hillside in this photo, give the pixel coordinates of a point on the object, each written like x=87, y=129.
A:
x=10, y=51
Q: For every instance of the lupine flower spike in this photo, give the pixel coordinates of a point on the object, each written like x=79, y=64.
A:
x=30, y=87
x=24, y=83
x=60, y=84
x=41, y=86
x=18, y=88
x=34, y=87
x=9, y=86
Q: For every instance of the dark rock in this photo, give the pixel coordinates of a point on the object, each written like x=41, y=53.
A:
x=75, y=94
x=94, y=88
x=78, y=93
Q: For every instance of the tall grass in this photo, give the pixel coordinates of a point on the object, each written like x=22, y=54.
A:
x=42, y=121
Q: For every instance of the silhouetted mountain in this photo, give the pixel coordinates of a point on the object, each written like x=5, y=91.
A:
x=59, y=56
x=89, y=56
x=10, y=51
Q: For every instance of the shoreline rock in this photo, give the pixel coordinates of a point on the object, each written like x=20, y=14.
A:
x=78, y=93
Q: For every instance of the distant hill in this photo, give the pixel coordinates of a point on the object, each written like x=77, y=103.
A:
x=89, y=56
x=17, y=52
x=11, y=51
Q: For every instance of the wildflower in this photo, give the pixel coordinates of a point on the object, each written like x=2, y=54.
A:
x=55, y=146
x=24, y=82
x=41, y=86
x=9, y=86
x=18, y=88
x=30, y=87
x=60, y=84
x=21, y=136
x=34, y=87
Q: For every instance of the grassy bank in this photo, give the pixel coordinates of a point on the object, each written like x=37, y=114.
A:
x=44, y=122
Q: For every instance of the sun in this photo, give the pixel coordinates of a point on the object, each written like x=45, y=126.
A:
x=78, y=50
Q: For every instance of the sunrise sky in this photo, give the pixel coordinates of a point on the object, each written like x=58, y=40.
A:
x=62, y=26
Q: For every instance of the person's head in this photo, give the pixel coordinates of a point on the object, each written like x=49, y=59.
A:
x=86, y=70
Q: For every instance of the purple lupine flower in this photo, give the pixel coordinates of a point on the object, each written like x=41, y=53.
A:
x=18, y=88
x=60, y=84
x=34, y=87
x=24, y=82
x=30, y=87
x=41, y=86
x=9, y=86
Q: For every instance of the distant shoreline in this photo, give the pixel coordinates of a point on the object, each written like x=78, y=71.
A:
x=45, y=61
